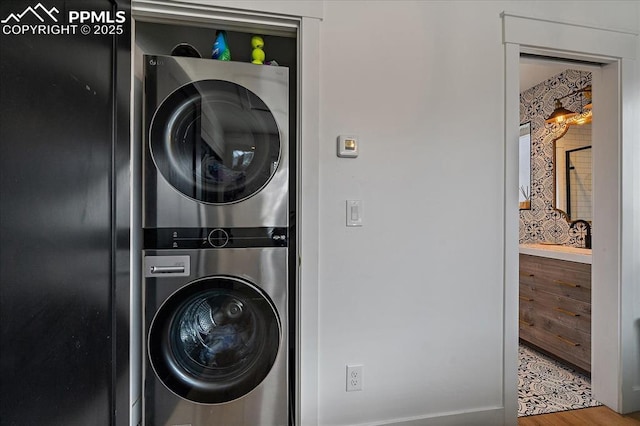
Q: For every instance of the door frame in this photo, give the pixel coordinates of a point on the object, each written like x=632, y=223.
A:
x=303, y=19
x=612, y=352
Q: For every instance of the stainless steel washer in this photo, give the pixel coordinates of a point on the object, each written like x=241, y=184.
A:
x=216, y=327
x=215, y=144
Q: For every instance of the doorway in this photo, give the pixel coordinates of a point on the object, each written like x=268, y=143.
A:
x=611, y=357
x=555, y=320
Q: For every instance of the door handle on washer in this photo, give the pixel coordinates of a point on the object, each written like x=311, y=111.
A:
x=167, y=269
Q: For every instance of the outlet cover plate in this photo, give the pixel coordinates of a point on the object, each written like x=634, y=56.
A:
x=354, y=378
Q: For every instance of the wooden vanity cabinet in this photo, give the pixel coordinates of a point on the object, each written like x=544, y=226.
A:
x=555, y=307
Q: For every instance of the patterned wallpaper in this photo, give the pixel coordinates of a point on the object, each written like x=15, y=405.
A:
x=542, y=223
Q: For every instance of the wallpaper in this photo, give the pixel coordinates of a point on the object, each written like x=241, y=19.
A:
x=543, y=223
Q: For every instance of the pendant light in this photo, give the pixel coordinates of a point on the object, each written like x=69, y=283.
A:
x=561, y=114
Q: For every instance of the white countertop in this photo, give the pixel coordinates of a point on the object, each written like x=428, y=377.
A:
x=572, y=254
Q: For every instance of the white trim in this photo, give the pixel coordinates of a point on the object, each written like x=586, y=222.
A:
x=211, y=16
x=606, y=314
x=575, y=24
x=307, y=30
x=511, y=234
x=308, y=221
x=630, y=238
x=480, y=417
x=618, y=48
x=297, y=8
x=579, y=40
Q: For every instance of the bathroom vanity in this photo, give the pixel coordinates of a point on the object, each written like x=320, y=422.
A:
x=555, y=301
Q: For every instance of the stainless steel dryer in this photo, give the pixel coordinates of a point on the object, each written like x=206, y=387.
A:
x=216, y=327
x=215, y=144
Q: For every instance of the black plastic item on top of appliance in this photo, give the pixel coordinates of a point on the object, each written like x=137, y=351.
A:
x=185, y=50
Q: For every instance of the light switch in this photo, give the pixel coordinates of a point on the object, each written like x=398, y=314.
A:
x=354, y=212
x=347, y=146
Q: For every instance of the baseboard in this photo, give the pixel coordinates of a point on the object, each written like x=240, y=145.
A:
x=631, y=400
x=483, y=417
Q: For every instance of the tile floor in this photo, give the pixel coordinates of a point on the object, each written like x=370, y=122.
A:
x=547, y=386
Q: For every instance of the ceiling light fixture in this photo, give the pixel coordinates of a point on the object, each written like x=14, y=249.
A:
x=560, y=113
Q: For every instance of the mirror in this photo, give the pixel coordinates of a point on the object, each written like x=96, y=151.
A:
x=572, y=170
x=524, y=181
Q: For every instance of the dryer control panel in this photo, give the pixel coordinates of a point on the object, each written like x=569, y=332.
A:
x=214, y=238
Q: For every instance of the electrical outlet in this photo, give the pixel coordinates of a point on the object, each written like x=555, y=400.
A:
x=354, y=378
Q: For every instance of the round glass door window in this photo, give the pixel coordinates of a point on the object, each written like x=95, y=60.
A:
x=214, y=340
x=215, y=141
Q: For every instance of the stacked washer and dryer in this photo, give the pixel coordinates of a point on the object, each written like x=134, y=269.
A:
x=215, y=223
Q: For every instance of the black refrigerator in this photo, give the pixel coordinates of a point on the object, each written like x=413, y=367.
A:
x=64, y=212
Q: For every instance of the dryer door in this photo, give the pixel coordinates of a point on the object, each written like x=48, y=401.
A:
x=215, y=141
x=214, y=340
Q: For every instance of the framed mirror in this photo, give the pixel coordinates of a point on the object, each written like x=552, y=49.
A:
x=573, y=173
x=524, y=181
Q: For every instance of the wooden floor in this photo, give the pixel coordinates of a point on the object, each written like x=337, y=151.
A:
x=596, y=416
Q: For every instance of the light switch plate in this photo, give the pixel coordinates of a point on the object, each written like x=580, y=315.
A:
x=354, y=212
x=347, y=146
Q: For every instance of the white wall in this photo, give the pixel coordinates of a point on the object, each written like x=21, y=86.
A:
x=416, y=294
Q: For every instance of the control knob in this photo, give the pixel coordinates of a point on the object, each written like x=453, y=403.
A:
x=218, y=238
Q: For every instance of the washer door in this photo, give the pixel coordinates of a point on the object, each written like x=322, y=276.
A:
x=214, y=340
x=215, y=141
